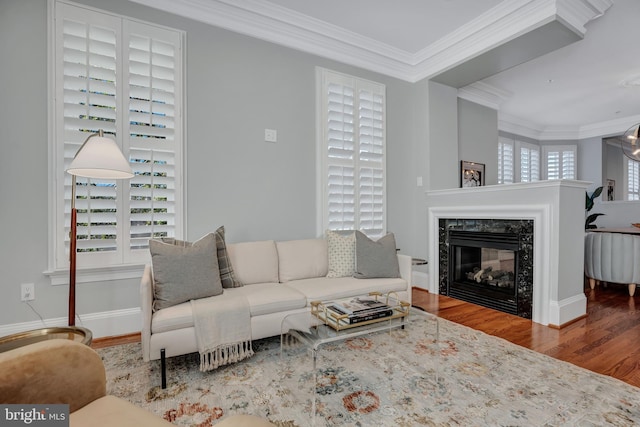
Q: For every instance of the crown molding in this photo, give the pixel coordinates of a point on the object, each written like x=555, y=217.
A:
x=273, y=23
x=484, y=94
x=276, y=24
x=519, y=126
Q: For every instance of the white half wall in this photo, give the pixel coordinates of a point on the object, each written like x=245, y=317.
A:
x=557, y=209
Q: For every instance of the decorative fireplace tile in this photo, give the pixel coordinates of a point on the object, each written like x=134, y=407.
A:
x=523, y=229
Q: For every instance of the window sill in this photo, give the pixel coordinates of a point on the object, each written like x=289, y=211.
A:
x=100, y=274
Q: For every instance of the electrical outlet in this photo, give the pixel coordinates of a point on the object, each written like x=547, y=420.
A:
x=28, y=292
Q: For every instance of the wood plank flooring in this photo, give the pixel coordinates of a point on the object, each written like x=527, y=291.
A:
x=606, y=341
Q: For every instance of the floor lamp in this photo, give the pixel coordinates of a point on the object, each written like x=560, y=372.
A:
x=98, y=157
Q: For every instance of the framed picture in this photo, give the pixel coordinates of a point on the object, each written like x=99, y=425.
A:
x=611, y=190
x=471, y=174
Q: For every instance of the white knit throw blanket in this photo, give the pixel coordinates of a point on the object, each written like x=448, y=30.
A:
x=223, y=329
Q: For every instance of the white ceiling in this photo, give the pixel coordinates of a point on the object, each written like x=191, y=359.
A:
x=588, y=88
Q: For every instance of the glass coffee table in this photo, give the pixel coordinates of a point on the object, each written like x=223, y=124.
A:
x=317, y=327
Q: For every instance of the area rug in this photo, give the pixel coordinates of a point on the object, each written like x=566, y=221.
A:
x=398, y=378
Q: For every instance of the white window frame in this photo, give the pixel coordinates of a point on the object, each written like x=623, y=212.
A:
x=126, y=262
x=562, y=150
x=324, y=77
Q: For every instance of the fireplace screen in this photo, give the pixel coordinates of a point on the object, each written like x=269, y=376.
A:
x=483, y=268
x=490, y=267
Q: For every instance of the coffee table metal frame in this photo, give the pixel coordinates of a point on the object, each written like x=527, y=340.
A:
x=313, y=333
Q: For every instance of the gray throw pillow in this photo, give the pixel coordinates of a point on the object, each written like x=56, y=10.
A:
x=227, y=276
x=182, y=273
x=376, y=258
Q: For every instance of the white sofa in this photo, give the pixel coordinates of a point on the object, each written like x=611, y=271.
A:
x=279, y=278
x=612, y=257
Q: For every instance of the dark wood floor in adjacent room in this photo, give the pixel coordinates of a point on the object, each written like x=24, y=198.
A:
x=606, y=341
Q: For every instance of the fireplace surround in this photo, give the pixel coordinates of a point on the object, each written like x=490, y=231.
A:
x=556, y=208
x=488, y=262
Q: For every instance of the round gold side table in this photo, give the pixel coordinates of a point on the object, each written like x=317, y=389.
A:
x=75, y=333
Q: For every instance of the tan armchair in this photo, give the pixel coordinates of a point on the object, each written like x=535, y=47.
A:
x=67, y=372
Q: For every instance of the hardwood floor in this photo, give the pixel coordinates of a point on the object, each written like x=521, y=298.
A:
x=606, y=341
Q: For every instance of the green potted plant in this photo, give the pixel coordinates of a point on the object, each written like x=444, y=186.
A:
x=589, y=221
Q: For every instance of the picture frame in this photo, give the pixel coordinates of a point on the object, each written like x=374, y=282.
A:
x=611, y=190
x=471, y=174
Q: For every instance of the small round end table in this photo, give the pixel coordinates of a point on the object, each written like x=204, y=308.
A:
x=75, y=333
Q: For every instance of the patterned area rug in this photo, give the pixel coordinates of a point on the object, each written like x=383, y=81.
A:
x=401, y=378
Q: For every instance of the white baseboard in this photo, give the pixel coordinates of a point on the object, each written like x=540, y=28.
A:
x=103, y=324
x=561, y=312
x=420, y=280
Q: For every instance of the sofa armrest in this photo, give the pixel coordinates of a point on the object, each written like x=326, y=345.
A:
x=406, y=271
x=146, y=306
x=52, y=371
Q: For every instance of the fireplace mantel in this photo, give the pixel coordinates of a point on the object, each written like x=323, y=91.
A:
x=557, y=209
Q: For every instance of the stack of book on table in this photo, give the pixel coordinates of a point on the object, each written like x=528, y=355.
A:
x=356, y=310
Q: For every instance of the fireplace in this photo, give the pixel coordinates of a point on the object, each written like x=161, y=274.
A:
x=489, y=263
x=483, y=267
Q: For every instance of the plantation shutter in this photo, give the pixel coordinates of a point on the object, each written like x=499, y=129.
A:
x=371, y=162
x=152, y=133
x=354, y=145
x=633, y=180
x=560, y=162
x=505, y=161
x=529, y=163
x=89, y=92
x=341, y=153
x=123, y=77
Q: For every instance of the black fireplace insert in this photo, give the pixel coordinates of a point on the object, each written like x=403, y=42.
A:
x=483, y=267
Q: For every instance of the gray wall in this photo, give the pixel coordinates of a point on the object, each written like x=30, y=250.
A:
x=236, y=87
x=442, y=155
x=478, y=137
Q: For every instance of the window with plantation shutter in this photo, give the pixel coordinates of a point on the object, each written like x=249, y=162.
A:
x=505, y=161
x=560, y=161
x=529, y=162
x=124, y=77
x=352, y=143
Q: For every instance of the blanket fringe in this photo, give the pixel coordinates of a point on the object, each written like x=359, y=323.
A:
x=224, y=355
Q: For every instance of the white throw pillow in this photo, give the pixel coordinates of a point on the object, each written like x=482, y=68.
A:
x=341, y=248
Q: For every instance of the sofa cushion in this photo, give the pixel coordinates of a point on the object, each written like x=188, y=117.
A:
x=264, y=298
x=323, y=289
x=182, y=273
x=376, y=258
x=175, y=317
x=302, y=259
x=254, y=262
x=341, y=249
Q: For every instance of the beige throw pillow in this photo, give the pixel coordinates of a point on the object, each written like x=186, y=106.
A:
x=341, y=247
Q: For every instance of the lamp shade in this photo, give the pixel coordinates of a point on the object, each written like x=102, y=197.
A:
x=100, y=157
